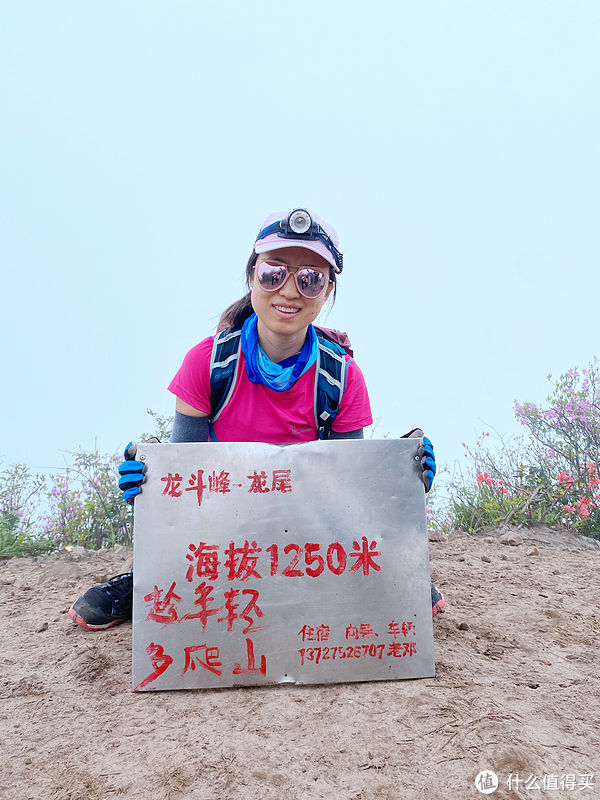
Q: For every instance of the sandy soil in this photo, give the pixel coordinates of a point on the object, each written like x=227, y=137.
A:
x=517, y=691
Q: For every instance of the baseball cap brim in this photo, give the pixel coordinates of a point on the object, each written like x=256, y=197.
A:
x=274, y=242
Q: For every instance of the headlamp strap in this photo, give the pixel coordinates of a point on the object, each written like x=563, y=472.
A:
x=274, y=228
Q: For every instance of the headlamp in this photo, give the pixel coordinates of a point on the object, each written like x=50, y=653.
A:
x=299, y=221
x=299, y=225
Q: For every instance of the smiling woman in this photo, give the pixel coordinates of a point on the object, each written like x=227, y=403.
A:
x=289, y=277
x=268, y=375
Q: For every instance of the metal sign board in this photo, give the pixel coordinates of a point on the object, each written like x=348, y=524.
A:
x=261, y=564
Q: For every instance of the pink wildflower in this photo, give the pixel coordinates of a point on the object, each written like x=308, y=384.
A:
x=564, y=477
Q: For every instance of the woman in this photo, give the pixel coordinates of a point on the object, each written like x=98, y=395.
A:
x=257, y=380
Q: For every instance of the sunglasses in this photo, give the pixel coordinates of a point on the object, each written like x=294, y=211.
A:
x=310, y=282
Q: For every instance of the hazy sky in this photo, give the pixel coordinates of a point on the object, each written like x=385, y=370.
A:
x=454, y=146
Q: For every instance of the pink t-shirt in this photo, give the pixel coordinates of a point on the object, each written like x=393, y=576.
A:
x=256, y=413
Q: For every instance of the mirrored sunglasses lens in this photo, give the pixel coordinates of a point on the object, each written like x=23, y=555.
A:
x=271, y=276
x=310, y=282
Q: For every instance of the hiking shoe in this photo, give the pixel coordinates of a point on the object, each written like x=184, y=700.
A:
x=438, y=601
x=104, y=605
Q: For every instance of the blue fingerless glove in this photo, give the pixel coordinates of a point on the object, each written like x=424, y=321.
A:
x=425, y=455
x=428, y=463
x=132, y=474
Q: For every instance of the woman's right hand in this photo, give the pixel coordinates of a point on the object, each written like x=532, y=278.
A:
x=132, y=474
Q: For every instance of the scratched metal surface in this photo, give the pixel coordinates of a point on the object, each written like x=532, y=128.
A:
x=341, y=491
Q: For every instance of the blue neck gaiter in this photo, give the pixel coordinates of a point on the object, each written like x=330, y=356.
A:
x=260, y=368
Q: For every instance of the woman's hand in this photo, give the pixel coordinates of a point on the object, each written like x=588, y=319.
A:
x=132, y=474
x=426, y=456
x=427, y=462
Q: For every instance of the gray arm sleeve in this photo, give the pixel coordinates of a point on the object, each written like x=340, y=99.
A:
x=189, y=429
x=357, y=434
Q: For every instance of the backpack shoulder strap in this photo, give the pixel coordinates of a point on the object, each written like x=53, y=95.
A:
x=224, y=362
x=330, y=383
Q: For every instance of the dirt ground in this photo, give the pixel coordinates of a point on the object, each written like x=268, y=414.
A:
x=517, y=691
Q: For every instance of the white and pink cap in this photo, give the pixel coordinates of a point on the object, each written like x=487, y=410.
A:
x=275, y=242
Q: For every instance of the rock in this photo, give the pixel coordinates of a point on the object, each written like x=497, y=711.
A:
x=77, y=550
x=43, y=628
x=532, y=551
x=489, y=539
x=119, y=550
x=593, y=542
x=512, y=539
x=487, y=559
x=101, y=578
x=462, y=558
x=533, y=685
x=494, y=651
x=463, y=626
x=436, y=536
x=504, y=557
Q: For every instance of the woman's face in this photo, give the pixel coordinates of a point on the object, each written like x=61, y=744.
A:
x=286, y=311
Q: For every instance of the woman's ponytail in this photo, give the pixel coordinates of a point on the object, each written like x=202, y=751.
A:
x=237, y=313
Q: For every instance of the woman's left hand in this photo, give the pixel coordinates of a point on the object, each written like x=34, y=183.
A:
x=425, y=453
x=427, y=462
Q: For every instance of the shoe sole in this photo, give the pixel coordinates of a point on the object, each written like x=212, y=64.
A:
x=438, y=607
x=79, y=620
